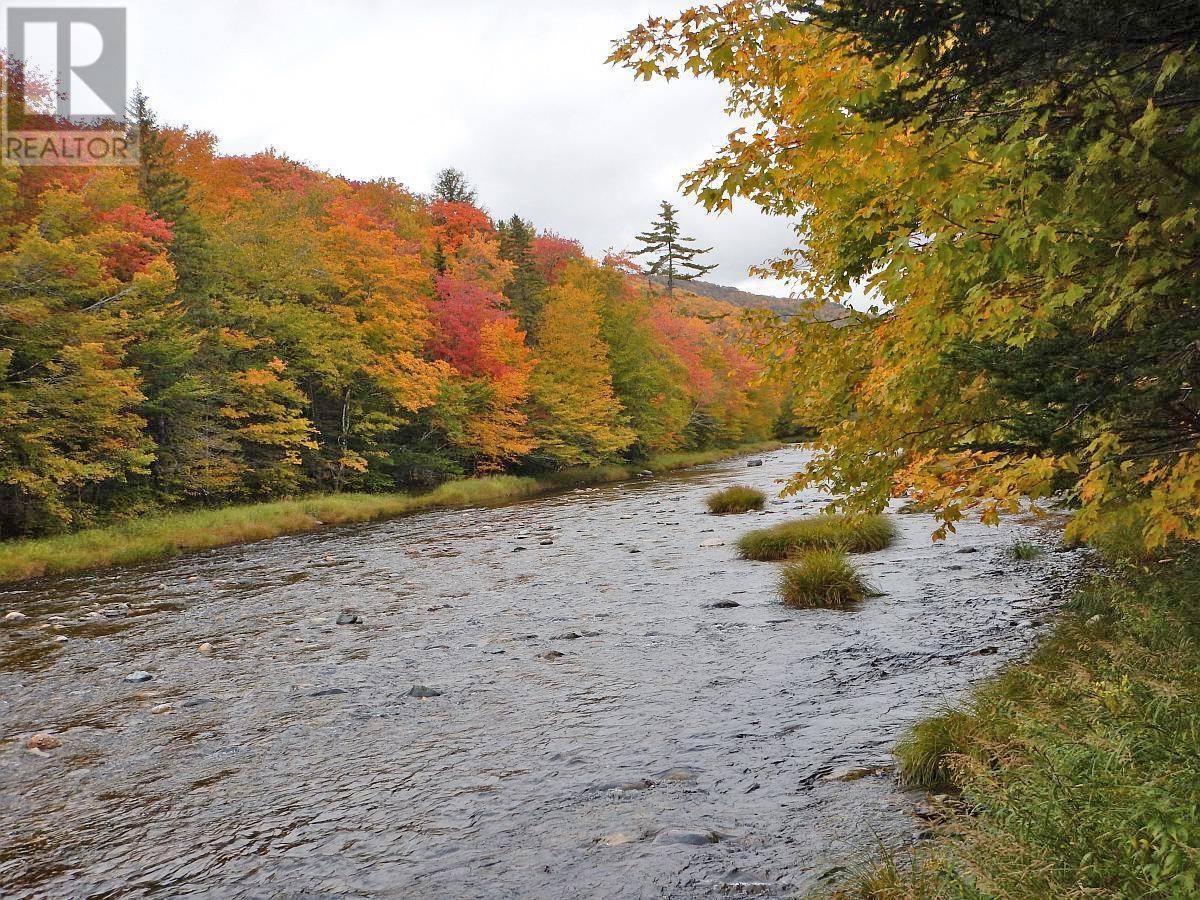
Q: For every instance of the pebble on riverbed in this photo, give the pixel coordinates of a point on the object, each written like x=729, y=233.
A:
x=15, y=616
x=349, y=619
x=43, y=741
x=423, y=691
x=138, y=677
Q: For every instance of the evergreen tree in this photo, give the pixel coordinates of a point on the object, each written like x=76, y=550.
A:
x=451, y=186
x=674, y=255
x=166, y=192
x=524, y=289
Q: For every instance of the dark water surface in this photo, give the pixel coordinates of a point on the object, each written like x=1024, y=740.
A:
x=675, y=749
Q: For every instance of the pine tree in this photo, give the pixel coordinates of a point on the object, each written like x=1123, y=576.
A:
x=524, y=290
x=451, y=186
x=675, y=257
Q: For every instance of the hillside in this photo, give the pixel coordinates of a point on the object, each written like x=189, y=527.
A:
x=782, y=306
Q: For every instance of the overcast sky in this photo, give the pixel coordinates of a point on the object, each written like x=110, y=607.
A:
x=516, y=94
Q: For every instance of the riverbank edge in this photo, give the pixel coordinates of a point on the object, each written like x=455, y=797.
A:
x=1072, y=769
x=176, y=533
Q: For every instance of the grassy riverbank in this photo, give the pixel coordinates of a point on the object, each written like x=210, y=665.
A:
x=161, y=537
x=1079, y=769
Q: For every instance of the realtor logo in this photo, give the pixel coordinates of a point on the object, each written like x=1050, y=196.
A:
x=65, y=82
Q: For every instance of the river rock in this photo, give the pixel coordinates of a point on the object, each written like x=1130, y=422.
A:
x=854, y=773
x=726, y=604
x=689, y=836
x=617, y=838
x=712, y=542
x=677, y=774
x=205, y=649
x=423, y=691
x=61, y=639
x=138, y=677
x=161, y=708
x=547, y=543
x=551, y=655
x=327, y=692
x=566, y=636
x=517, y=549
x=349, y=619
x=14, y=616
x=43, y=741
x=967, y=550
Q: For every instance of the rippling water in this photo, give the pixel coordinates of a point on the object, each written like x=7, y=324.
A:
x=675, y=748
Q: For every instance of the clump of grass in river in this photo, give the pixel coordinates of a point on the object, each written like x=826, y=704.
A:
x=1025, y=551
x=822, y=579
x=854, y=534
x=738, y=498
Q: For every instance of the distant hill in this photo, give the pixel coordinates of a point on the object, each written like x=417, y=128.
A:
x=782, y=306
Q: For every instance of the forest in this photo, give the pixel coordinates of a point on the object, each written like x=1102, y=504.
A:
x=202, y=329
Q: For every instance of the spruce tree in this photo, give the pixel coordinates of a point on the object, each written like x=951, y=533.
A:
x=674, y=255
x=167, y=195
x=524, y=290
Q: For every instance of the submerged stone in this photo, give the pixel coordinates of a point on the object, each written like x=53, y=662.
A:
x=687, y=836
x=43, y=741
x=349, y=619
x=138, y=677
x=423, y=691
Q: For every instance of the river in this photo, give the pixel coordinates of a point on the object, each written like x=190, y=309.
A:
x=680, y=745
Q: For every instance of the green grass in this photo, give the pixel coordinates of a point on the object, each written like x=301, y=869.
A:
x=822, y=579
x=173, y=533
x=1025, y=551
x=738, y=498
x=1082, y=764
x=854, y=534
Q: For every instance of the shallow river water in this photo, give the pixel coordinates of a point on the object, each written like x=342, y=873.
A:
x=680, y=746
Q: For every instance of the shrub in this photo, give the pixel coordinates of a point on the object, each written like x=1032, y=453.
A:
x=854, y=534
x=822, y=579
x=736, y=499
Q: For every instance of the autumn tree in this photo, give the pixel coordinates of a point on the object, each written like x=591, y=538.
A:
x=577, y=416
x=672, y=255
x=1021, y=203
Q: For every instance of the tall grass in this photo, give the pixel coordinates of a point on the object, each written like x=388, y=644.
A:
x=738, y=498
x=854, y=534
x=170, y=534
x=1081, y=763
x=822, y=579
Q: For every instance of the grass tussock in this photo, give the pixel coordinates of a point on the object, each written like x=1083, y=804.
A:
x=853, y=534
x=738, y=498
x=897, y=876
x=1080, y=764
x=170, y=534
x=822, y=579
x=1025, y=551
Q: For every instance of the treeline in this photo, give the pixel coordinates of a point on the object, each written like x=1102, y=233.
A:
x=204, y=328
